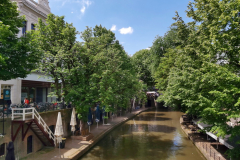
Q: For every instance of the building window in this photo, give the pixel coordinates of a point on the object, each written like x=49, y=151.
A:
x=2, y=149
x=24, y=29
x=32, y=27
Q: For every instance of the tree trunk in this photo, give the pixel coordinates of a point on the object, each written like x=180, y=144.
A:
x=56, y=84
x=82, y=125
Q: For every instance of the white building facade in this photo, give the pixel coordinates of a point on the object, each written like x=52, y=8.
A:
x=32, y=87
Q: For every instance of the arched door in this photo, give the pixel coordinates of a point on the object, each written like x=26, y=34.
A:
x=29, y=144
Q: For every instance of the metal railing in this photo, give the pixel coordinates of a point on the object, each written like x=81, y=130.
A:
x=31, y=113
x=40, y=107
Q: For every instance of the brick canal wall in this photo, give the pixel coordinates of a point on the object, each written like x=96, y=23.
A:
x=21, y=145
x=209, y=152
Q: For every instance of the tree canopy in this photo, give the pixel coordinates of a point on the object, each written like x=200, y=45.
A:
x=18, y=56
x=57, y=41
x=142, y=63
x=197, y=67
x=97, y=70
x=108, y=76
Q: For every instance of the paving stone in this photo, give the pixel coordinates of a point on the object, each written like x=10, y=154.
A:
x=76, y=148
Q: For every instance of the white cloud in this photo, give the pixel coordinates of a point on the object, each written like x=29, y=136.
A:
x=83, y=9
x=114, y=28
x=128, y=30
x=122, y=42
x=83, y=4
x=148, y=48
x=64, y=2
x=87, y=2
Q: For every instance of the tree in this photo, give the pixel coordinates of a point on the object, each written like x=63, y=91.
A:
x=107, y=75
x=18, y=56
x=160, y=46
x=218, y=30
x=57, y=40
x=142, y=64
x=163, y=71
x=203, y=79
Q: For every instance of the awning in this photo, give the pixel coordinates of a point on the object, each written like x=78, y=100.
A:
x=226, y=141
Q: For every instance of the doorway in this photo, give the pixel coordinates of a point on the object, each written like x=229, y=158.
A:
x=29, y=144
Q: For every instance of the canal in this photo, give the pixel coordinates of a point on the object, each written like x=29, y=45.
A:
x=154, y=134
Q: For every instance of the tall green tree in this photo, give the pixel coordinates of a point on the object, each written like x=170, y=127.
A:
x=108, y=76
x=142, y=64
x=177, y=38
x=18, y=56
x=160, y=46
x=57, y=40
x=203, y=79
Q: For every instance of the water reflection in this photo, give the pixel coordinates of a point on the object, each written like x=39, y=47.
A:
x=150, y=135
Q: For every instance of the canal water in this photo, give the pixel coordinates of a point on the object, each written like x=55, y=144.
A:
x=152, y=135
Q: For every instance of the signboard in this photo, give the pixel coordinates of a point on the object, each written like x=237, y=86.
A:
x=6, y=94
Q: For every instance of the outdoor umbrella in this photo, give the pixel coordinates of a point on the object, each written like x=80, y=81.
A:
x=10, y=152
x=59, y=130
x=97, y=115
x=73, y=122
x=89, y=122
x=103, y=113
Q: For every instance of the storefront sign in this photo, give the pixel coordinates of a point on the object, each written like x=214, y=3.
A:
x=7, y=94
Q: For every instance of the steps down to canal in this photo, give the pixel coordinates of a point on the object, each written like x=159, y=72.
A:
x=34, y=121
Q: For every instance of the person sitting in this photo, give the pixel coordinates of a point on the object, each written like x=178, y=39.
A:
x=26, y=101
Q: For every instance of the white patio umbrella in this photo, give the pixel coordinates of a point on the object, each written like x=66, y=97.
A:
x=59, y=130
x=73, y=122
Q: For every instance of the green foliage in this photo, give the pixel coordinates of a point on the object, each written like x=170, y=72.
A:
x=18, y=56
x=57, y=40
x=142, y=64
x=200, y=74
x=105, y=74
x=159, y=48
x=166, y=63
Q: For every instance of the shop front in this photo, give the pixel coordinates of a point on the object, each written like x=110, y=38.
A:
x=36, y=91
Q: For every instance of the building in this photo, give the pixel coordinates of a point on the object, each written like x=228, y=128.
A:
x=32, y=87
x=30, y=135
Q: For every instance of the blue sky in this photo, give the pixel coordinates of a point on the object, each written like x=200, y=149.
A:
x=135, y=22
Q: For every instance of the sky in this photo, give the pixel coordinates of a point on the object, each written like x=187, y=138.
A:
x=135, y=23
